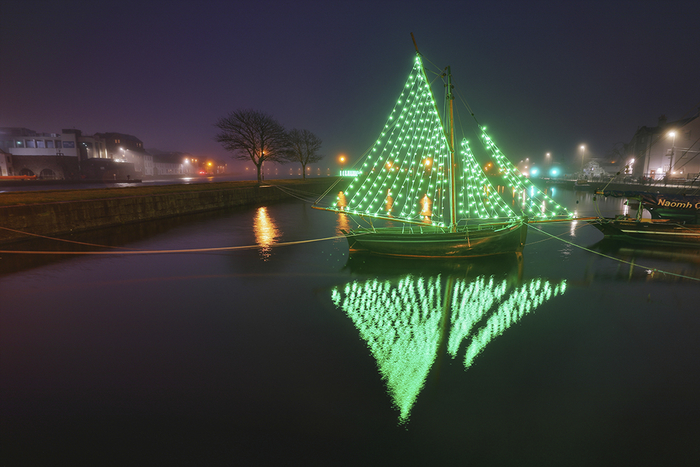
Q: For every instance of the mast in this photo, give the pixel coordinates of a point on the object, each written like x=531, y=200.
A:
x=451, y=140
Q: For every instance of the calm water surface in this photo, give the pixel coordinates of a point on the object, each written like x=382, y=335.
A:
x=275, y=355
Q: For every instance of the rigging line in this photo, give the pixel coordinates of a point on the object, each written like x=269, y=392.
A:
x=292, y=193
x=293, y=189
x=476, y=130
x=614, y=258
x=612, y=179
x=683, y=155
x=556, y=236
x=359, y=161
x=439, y=71
x=692, y=109
x=466, y=105
x=151, y=252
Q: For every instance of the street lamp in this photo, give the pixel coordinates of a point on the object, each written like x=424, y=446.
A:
x=672, y=134
x=341, y=161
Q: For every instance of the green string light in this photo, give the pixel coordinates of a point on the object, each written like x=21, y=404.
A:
x=535, y=203
x=477, y=197
x=408, y=159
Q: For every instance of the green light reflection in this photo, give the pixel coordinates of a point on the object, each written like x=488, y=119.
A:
x=404, y=323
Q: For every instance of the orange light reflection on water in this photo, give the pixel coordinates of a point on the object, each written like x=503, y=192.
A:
x=342, y=225
x=266, y=232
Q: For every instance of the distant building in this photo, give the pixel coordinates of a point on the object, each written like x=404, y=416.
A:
x=5, y=164
x=670, y=149
x=182, y=163
x=173, y=163
x=128, y=149
x=110, y=155
x=46, y=155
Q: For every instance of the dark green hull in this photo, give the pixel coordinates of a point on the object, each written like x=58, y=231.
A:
x=465, y=244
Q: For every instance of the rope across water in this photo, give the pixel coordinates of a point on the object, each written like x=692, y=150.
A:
x=122, y=251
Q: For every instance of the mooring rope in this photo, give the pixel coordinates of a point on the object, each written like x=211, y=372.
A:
x=62, y=239
x=298, y=194
x=296, y=242
x=151, y=252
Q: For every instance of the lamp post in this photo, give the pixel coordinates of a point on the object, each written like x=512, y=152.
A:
x=672, y=134
x=341, y=161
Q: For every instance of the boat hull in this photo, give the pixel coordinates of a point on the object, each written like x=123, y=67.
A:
x=649, y=231
x=396, y=242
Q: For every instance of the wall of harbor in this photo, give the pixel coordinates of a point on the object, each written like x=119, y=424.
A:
x=61, y=218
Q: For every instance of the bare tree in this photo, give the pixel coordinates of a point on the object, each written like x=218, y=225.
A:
x=253, y=135
x=303, y=147
x=619, y=152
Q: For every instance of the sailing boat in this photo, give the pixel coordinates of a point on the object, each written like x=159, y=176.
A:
x=420, y=200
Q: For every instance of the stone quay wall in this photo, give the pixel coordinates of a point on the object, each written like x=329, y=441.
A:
x=61, y=218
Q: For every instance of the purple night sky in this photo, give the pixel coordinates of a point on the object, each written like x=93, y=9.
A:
x=542, y=76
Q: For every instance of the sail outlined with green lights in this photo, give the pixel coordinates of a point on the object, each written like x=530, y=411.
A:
x=477, y=197
x=403, y=323
x=534, y=203
x=404, y=175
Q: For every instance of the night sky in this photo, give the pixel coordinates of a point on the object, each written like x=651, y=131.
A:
x=542, y=76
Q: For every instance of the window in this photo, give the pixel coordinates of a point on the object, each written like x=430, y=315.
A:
x=20, y=144
x=40, y=143
x=49, y=143
x=30, y=143
x=69, y=144
x=58, y=143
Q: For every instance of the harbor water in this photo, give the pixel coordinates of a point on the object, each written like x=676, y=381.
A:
x=249, y=337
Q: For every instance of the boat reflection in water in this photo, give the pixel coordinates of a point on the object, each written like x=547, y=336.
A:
x=266, y=232
x=641, y=262
x=411, y=321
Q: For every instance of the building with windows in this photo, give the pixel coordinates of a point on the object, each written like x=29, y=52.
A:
x=46, y=155
x=103, y=156
x=668, y=150
x=70, y=154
